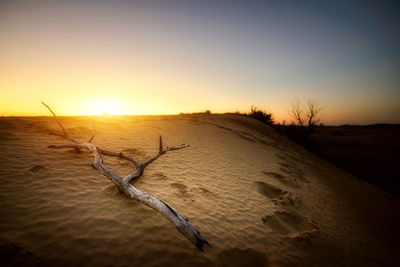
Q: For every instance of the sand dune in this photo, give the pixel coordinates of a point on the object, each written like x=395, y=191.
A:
x=257, y=198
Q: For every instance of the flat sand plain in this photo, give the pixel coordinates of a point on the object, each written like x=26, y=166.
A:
x=259, y=199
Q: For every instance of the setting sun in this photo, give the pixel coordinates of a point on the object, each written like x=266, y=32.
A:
x=272, y=125
x=104, y=107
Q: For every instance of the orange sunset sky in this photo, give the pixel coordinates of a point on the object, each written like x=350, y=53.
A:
x=167, y=57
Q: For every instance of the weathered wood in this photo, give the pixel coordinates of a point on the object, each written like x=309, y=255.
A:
x=181, y=223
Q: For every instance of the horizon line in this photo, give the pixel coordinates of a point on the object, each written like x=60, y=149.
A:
x=191, y=113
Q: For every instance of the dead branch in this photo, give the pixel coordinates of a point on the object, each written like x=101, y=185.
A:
x=65, y=134
x=181, y=223
x=94, y=132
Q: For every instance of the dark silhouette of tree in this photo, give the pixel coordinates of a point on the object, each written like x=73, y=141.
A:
x=305, y=114
x=306, y=117
x=261, y=115
x=297, y=112
x=312, y=112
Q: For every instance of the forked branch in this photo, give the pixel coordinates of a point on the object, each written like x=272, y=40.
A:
x=181, y=223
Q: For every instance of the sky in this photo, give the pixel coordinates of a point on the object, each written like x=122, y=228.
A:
x=167, y=57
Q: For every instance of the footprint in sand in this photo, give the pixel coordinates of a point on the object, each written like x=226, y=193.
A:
x=282, y=157
x=161, y=176
x=275, y=194
x=180, y=188
x=293, y=171
x=290, y=224
x=282, y=178
x=36, y=168
x=204, y=192
x=284, y=165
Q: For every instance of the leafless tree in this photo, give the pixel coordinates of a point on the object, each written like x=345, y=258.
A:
x=305, y=115
x=297, y=111
x=123, y=183
x=312, y=112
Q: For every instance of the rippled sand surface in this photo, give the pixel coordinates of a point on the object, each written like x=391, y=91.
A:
x=258, y=199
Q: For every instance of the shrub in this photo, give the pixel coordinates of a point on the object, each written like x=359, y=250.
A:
x=261, y=115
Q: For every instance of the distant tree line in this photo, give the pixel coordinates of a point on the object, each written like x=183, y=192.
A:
x=305, y=115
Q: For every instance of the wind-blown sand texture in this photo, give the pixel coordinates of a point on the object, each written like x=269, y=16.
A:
x=259, y=199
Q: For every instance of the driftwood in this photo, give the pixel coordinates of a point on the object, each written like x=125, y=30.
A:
x=181, y=223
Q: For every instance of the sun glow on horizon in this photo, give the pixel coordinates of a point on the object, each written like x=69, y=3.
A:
x=139, y=58
x=105, y=107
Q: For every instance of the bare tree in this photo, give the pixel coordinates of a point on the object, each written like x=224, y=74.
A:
x=305, y=115
x=312, y=112
x=297, y=112
x=181, y=223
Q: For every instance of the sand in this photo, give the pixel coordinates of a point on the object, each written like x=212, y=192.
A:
x=259, y=199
